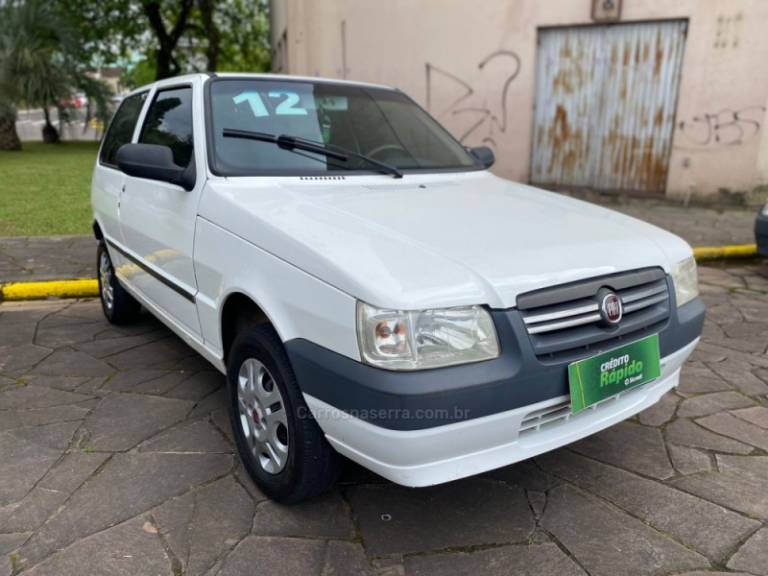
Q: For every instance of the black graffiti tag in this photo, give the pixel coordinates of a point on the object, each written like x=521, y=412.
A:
x=483, y=118
x=728, y=127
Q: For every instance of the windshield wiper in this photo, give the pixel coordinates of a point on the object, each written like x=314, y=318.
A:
x=295, y=143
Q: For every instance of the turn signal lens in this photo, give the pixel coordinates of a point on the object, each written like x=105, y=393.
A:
x=686, y=279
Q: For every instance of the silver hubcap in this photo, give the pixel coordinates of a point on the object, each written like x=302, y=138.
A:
x=105, y=273
x=262, y=415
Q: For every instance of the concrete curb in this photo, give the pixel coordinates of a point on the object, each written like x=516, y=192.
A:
x=732, y=251
x=82, y=288
x=89, y=287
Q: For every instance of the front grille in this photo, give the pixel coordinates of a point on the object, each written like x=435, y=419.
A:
x=539, y=419
x=560, y=413
x=564, y=322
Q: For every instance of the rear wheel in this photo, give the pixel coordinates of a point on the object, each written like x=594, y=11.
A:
x=118, y=305
x=280, y=444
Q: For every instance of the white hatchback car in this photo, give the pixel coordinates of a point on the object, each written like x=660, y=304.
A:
x=370, y=289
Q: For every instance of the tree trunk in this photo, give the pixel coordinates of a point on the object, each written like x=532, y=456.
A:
x=9, y=138
x=50, y=134
x=167, y=41
x=163, y=63
x=212, y=34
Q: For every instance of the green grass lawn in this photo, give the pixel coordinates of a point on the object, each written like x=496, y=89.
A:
x=45, y=189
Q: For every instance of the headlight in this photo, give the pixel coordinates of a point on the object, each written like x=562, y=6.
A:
x=415, y=340
x=765, y=209
x=686, y=281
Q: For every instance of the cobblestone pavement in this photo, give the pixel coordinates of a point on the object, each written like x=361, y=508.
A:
x=63, y=257
x=116, y=459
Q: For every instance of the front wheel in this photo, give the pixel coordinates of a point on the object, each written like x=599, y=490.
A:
x=119, y=307
x=280, y=444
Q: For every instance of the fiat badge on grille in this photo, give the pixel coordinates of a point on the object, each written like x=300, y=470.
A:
x=611, y=309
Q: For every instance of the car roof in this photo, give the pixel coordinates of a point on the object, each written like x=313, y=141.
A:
x=256, y=76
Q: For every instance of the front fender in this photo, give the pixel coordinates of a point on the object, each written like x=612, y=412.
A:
x=297, y=304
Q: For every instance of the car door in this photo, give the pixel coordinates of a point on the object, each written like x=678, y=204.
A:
x=158, y=218
x=108, y=180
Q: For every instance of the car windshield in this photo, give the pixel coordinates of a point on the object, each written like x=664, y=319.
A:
x=384, y=125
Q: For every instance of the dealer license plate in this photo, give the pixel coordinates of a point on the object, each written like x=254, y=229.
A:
x=594, y=379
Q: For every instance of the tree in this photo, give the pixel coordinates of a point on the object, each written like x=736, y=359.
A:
x=174, y=36
x=210, y=35
x=9, y=138
x=41, y=65
x=141, y=73
x=167, y=39
x=244, y=45
x=46, y=48
x=211, y=30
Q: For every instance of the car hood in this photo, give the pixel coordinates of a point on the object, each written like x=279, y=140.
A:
x=439, y=240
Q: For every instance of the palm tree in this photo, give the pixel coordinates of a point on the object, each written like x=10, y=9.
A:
x=9, y=139
x=41, y=65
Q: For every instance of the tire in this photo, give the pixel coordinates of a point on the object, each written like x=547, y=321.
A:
x=118, y=305
x=281, y=446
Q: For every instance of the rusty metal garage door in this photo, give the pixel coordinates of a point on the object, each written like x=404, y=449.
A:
x=605, y=105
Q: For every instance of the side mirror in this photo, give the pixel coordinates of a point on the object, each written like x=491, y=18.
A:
x=155, y=162
x=484, y=155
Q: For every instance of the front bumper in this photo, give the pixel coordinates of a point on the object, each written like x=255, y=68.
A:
x=433, y=426
x=761, y=234
x=439, y=397
x=445, y=453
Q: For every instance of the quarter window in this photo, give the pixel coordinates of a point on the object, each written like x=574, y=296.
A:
x=121, y=129
x=169, y=123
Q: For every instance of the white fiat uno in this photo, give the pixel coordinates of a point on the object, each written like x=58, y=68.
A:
x=370, y=289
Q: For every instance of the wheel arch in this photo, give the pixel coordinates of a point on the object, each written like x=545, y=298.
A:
x=97, y=232
x=238, y=311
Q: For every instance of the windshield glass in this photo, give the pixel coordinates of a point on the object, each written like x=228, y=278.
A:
x=382, y=124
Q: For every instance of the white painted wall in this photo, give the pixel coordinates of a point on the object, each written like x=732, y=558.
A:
x=719, y=139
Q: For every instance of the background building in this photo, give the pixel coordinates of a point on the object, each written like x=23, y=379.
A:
x=646, y=96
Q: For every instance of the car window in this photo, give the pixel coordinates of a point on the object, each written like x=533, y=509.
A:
x=121, y=129
x=383, y=124
x=169, y=123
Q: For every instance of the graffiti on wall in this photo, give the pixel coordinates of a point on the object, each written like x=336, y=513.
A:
x=728, y=31
x=727, y=127
x=473, y=112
